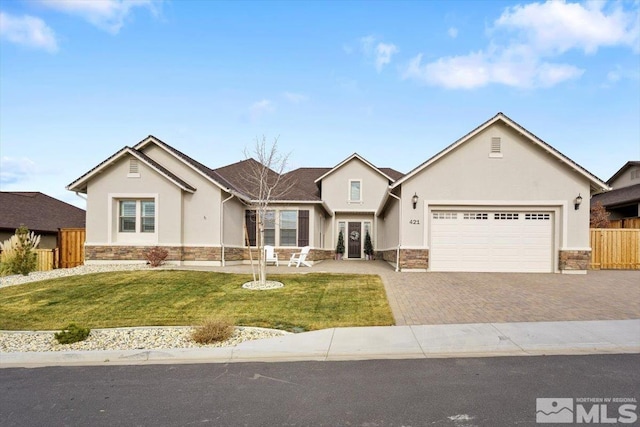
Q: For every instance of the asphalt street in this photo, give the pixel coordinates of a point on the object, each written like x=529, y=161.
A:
x=499, y=391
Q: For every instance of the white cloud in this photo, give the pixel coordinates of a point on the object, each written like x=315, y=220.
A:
x=259, y=108
x=381, y=52
x=453, y=32
x=480, y=69
x=294, y=98
x=526, y=42
x=28, y=31
x=108, y=15
x=13, y=170
x=384, y=51
x=557, y=26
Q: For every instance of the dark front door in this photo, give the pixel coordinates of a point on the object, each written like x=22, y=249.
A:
x=354, y=237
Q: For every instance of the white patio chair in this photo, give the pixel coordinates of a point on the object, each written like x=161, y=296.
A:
x=300, y=258
x=270, y=255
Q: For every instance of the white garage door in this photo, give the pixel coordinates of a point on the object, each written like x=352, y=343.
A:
x=501, y=241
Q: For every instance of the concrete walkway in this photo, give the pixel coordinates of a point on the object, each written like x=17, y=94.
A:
x=382, y=342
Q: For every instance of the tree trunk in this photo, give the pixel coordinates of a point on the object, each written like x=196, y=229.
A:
x=262, y=265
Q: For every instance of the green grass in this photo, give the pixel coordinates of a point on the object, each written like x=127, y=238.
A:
x=164, y=297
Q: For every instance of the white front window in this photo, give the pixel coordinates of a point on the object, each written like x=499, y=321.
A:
x=355, y=190
x=137, y=216
x=270, y=228
x=288, y=228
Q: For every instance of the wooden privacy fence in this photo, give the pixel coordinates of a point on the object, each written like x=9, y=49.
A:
x=45, y=259
x=71, y=247
x=615, y=249
x=625, y=223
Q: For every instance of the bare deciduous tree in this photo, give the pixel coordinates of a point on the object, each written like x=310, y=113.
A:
x=599, y=217
x=265, y=181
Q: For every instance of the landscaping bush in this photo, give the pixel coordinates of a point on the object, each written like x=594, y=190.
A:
x=72, y=333
x=18, y=255
x=156, y=256
x=340, y=246
x=212, y=330
x=368, y=246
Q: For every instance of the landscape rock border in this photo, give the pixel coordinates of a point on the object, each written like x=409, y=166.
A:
x=255, y=285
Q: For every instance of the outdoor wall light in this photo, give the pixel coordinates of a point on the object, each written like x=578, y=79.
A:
x=577, y=201
x=414, y=200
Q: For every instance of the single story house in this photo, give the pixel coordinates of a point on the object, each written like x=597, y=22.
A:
x=623, y=201
x=498, y=199
x=39, y=213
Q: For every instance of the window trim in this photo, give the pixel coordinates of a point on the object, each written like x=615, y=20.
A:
x=270, y=228
x=280, y=228
x=349, y=192
x=277, y=229
x=115, y=236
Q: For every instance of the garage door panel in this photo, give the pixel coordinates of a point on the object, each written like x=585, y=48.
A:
x=491, y=241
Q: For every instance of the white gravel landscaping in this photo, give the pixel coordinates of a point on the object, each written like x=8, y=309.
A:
x=140, y=338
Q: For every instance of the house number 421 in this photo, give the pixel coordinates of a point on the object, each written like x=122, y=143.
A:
x=414, y=221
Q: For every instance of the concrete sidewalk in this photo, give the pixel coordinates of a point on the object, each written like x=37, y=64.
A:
x=382, y=342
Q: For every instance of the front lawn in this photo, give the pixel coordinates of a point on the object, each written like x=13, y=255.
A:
x=164, y=297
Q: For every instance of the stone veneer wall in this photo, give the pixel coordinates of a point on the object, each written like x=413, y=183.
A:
x=137, y=253
x=177, y=253
x=234, y=253
x=388, y=255
x=574, y=260
x=409, y=258
x=414, y=259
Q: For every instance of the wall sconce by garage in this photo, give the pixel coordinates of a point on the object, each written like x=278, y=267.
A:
x=414, y=200
x=577, y=201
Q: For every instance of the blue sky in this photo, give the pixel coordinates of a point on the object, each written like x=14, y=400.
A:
x=394, y=81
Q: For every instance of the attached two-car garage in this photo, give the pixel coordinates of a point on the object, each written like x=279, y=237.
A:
x=491, y=240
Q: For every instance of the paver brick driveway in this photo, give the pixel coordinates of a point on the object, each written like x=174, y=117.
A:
x=437, y=298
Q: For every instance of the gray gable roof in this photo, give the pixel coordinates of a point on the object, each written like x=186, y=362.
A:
x=80, y=184
x=618, y=197
x=299, y=185
x=596, y=183
x=626, y=166
x=38, y=212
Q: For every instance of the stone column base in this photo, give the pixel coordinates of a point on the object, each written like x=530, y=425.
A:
x=574, y=261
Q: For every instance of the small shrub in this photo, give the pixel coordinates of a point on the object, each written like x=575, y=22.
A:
x=156, y=256
x=72, y=333
x=18, y=255
x=340, y=246
x=212, y=330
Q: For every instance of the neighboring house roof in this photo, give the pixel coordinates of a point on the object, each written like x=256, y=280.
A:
x=596, y=183
x=630, y=163
x=618, y=197
x=381, y=171
x=38, y=212
x=80, y=184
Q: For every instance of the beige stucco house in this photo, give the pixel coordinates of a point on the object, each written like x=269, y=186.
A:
x=498, y=199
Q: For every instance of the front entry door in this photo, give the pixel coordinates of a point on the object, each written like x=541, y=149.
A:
x=355, y=238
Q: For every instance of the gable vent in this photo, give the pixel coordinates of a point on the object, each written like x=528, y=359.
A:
x=496, y=147
x=134, y=169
